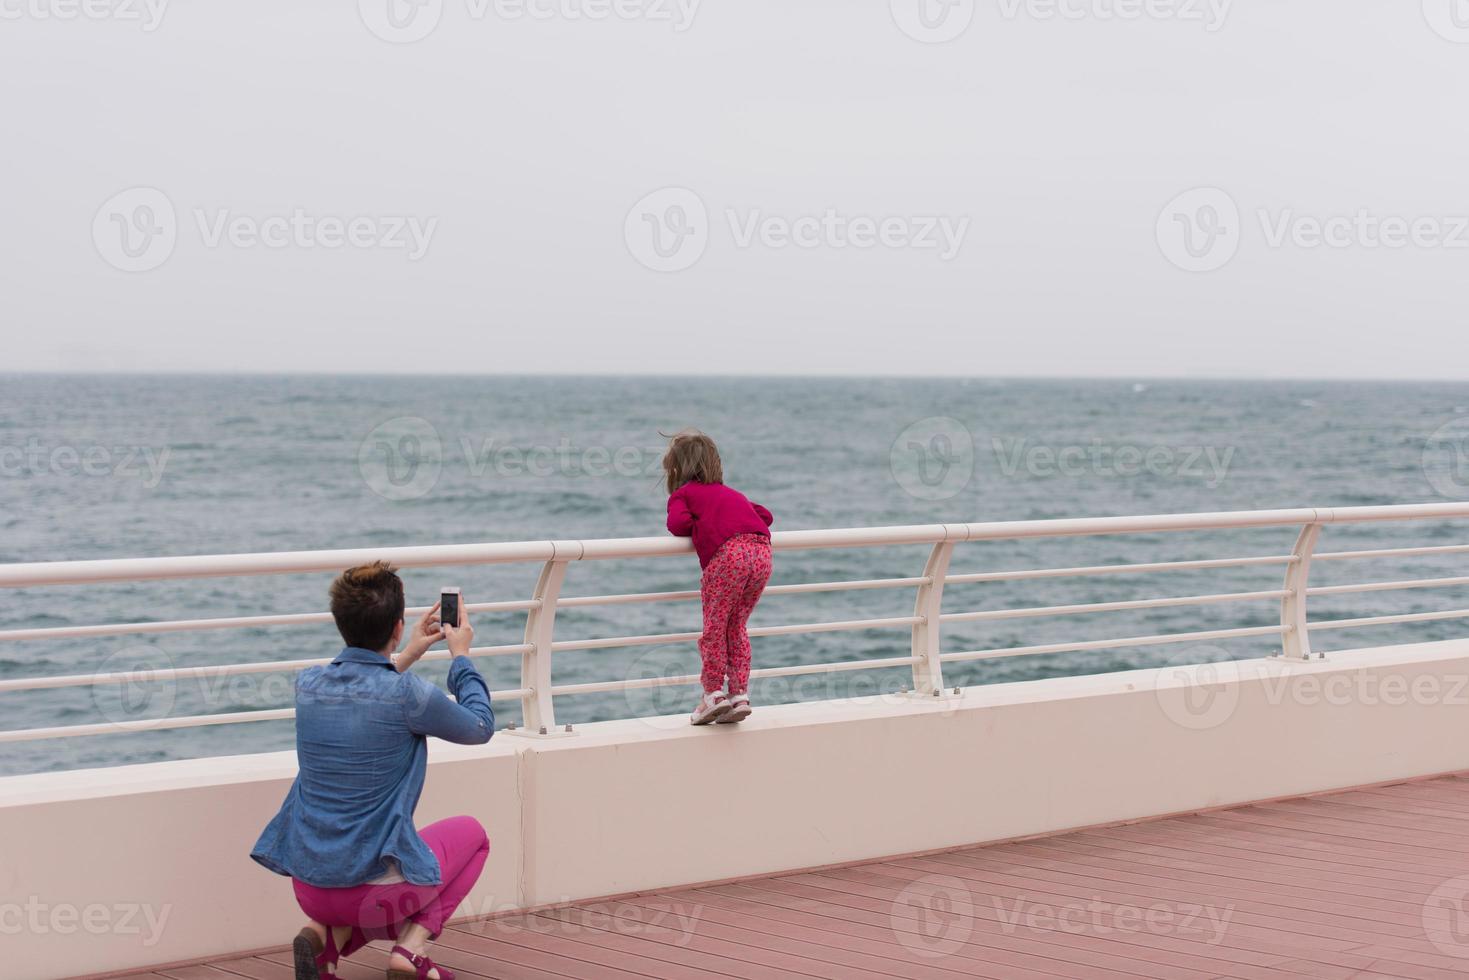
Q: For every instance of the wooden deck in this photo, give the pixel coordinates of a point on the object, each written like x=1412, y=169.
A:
x=1334, y=886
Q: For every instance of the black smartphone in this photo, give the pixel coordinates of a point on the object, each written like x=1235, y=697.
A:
x=449, y=606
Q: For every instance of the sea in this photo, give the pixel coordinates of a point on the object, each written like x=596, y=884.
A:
x=104, y=466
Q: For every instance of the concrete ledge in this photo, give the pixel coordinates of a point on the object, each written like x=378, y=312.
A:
x=128, y=867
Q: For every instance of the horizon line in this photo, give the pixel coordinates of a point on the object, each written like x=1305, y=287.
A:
x=790, y=376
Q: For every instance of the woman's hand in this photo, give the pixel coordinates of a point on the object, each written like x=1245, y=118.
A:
x=460, y=637
x=426, y=632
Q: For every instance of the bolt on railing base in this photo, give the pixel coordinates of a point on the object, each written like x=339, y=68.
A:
x=1281, y=657
x=934, y=696
x=565, y=731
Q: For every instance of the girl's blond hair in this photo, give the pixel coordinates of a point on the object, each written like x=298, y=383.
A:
x=691, y=457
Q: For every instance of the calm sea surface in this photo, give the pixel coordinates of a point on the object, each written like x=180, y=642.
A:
x=141, y=466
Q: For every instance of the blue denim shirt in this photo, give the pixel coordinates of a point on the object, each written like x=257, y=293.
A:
x=362, y=747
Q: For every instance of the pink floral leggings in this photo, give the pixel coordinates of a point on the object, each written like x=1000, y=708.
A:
x=731, y=586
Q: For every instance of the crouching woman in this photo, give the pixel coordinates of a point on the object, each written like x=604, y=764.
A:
x=345, y=833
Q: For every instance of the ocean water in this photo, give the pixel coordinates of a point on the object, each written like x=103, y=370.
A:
x=94, y=467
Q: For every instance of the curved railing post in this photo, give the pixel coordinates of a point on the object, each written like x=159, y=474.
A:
x=928, y=670
x=536, y=705
x=1296, y=634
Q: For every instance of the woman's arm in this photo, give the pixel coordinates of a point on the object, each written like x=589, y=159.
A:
x=680, y=518
x=763, y=514
x=469, y=722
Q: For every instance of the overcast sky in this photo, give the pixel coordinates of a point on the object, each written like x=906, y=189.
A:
x=737, y=186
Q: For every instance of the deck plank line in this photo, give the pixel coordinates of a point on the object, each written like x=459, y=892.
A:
x=1084, y=953
x=1240, y=867
x=1037, y=957
x=1182, y=884
x=842, y=947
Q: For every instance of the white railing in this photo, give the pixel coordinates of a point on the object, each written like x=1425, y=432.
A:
x=538, y=691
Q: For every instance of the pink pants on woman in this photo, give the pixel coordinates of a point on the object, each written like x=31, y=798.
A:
x=731, y=586
x=379, y=911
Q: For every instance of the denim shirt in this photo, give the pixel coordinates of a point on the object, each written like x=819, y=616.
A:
x=362, y=748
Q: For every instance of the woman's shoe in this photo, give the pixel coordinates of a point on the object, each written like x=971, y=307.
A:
x=421, y=963
x=711, y=707
x=315, y=960
x=739, y=709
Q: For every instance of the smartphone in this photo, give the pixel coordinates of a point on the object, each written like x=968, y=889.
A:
x=449, y=606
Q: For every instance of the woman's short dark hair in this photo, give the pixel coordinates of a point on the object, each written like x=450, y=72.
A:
x=367, y=603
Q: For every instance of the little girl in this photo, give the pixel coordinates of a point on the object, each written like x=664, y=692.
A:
x=732, y=538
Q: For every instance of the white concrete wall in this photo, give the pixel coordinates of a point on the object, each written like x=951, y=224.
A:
x=616, y=809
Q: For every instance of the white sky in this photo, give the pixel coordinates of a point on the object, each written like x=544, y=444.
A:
x=529, y=140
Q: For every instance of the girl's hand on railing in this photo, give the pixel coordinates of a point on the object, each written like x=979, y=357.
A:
x=460, y=637
x=426, y=632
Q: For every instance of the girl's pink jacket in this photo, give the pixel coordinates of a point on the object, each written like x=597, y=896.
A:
x=711, y=514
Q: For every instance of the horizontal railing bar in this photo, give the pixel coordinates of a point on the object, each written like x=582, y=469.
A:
x=232, y=622
x=794, y=589
x=1161, y=566
x=1341, y=624
x=1438, y=549
x=1421, y=583
x=168, y=724
x=1129, y=641
x=658, y=639
x=1098, y=607
x=146, y=725
x=296, y=562
x=218, y=670
x=600, y=687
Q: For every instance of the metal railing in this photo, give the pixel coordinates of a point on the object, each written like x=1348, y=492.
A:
x=538, y=691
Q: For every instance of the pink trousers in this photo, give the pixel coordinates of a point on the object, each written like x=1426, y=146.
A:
x=380, y=911
x=731, y=586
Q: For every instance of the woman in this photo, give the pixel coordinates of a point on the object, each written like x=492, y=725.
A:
x=345, y=833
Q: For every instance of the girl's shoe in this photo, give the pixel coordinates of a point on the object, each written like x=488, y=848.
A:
x=739, y=709
x=421, y=963
x=315, y=960
x=712, y=707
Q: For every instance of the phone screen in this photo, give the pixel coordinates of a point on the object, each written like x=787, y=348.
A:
x=449, y=609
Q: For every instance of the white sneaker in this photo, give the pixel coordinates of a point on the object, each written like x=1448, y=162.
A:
x=711, y=707
x=739, y=710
